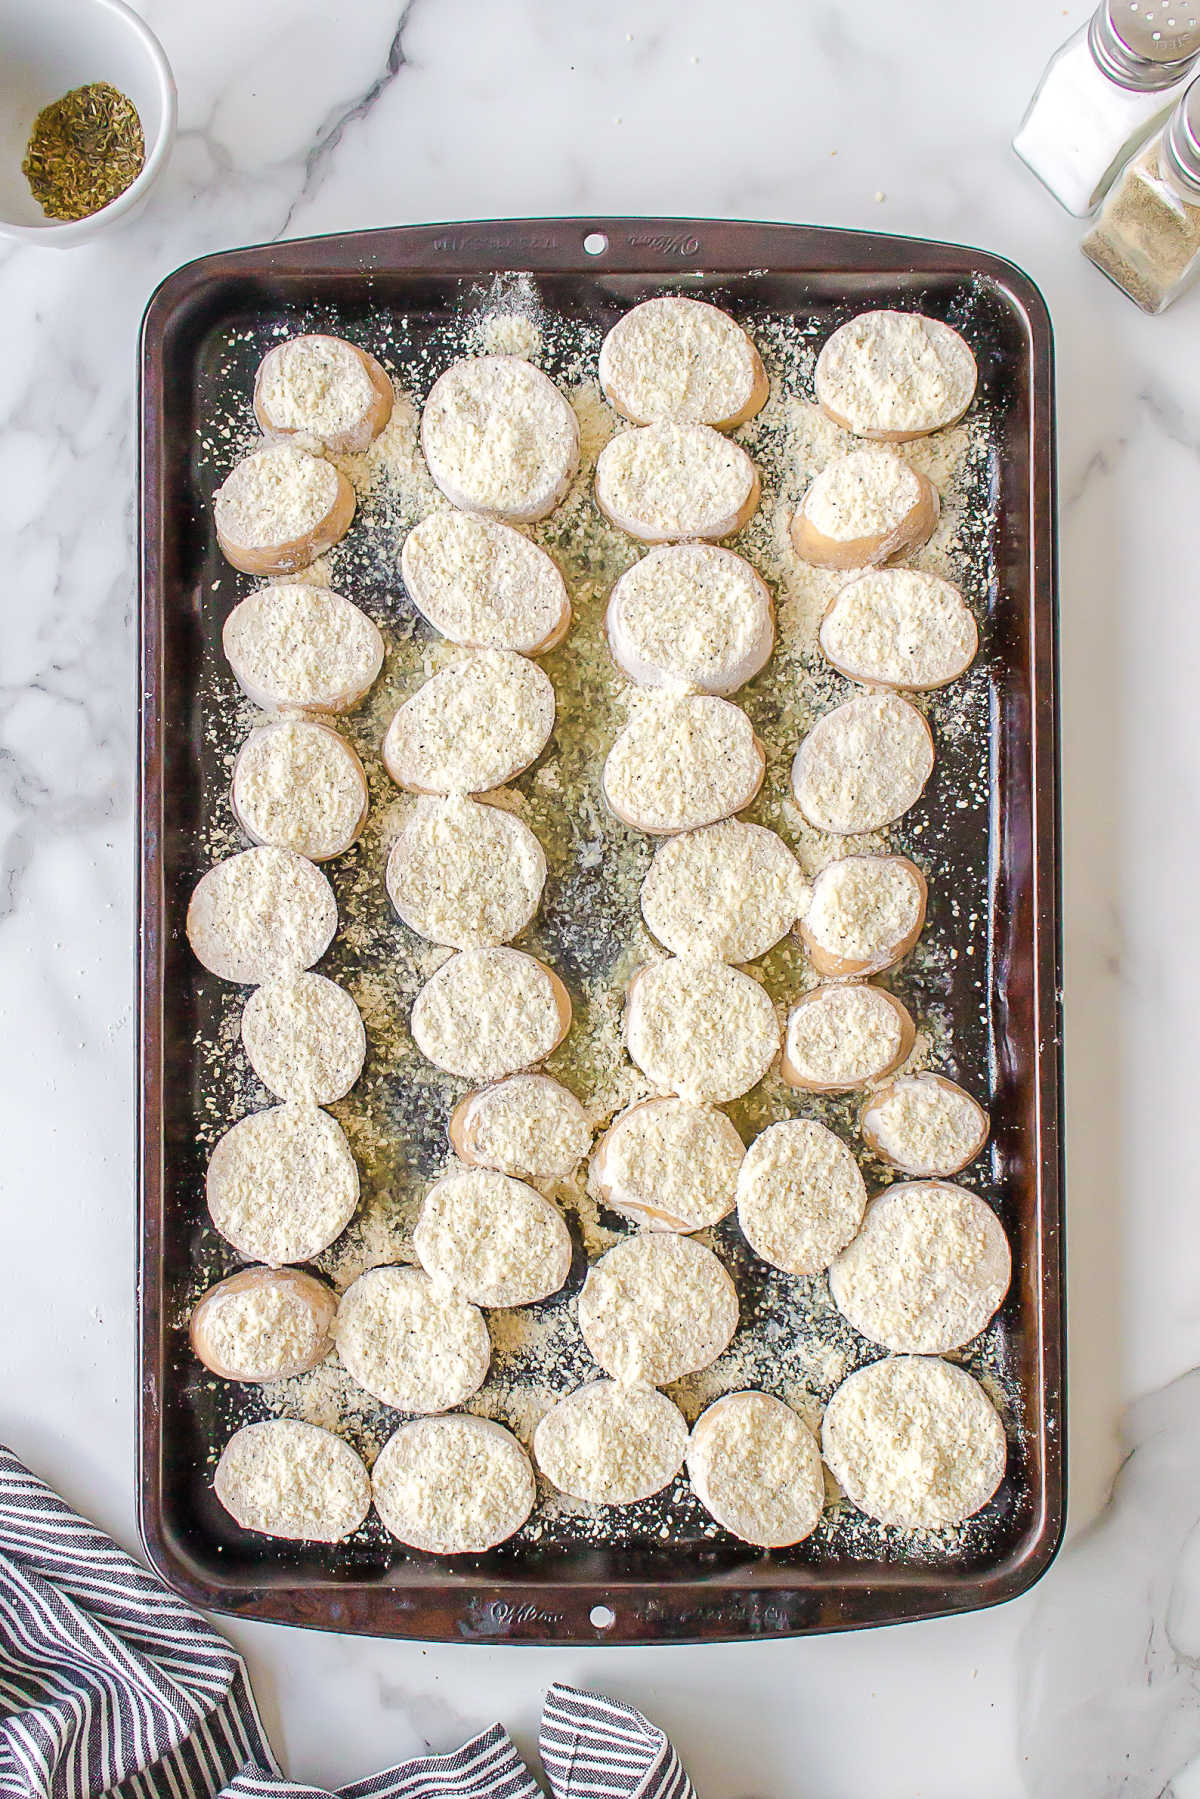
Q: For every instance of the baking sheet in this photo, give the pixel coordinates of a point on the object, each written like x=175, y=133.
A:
x=984, y=979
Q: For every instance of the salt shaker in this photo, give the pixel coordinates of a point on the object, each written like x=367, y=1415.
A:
x=1104, y=93
x=1147, y=237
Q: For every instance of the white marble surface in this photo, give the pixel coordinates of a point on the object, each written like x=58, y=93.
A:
x=883, y=117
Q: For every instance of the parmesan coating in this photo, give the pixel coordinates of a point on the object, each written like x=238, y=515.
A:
x=490, y=1012
x=682, y=359
x=298, y=786
x=700, y=1029
x=866, y=494
x=800, y=1196
x=668, y=481
x=865, y=911
x=683, y=762
x=914, y=1442
x=899, y=627
x=499, y=437
x=691, y=615
x=895, y=375
x=493, y=1239
x=924, y=1125
x=297, y=645
x=926, y=1272
x=484, y=584
x=263, y=1324
x=315, y=384
x=274, y=496
x=863, y=765
x=669, y=1165
x=611, y=1444
x=304, y=1038
x=756, y=1468
x=261, y=913
x=412, y=1344
x=472, y=727
x=656, y=1307
x=284, y=1478
x=840, y=1037
x=453, y=1486
x=526, y=1125
x=466, y=874
x=282, y=1184
x=730, y=890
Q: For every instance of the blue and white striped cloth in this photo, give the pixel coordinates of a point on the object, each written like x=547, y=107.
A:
x=109, y=1683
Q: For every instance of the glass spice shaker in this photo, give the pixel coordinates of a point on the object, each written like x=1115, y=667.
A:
x=1104, y=92
x=1147, y=237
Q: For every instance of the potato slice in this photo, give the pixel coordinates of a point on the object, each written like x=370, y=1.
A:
x=863, y=509
x=865, y=914
x=264, y=1324
x=323, y=388
x=279, y=509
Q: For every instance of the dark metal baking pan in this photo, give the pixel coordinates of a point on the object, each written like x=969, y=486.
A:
x=673, y=1584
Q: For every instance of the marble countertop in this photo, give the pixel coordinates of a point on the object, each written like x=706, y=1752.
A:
x=893, y=118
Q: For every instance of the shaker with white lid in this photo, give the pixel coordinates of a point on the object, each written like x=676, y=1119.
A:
x=1147, y=237
x=1103, y=94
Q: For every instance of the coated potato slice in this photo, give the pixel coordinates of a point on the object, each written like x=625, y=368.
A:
x=298, y=785
x=666, y=482
x=923, y=1124
x=304, y=1038
x=487, y=1013
x=691, y=615
x=863, y=509
x=669, y=1165
x=499, y=438
x=863, y=765
x=284, y=1478
x=699, y=1029
x=611, y=1444
x=302, y=647
x=800, y=1196
x=865, y=914
x=484, y=584
x=841, y=1037
x=453, y=1486
x=730, y=890
x=926, y=1272
x=322, y=387
x=894, y=376
x=681, y=763
x=411, y=1343
x=757, y=1470
x=493, y=1239
x=263, y=1324
x=527, y=1125
x=472, y=727
x=656, y=1307
x=914, y=1442
x=682, y=359
x=897, y=627
x=279, y=509
x=282, y=1184
x=262, y=913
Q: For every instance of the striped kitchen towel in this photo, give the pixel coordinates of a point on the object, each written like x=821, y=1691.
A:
x=109, y=1682
x=590, y=1745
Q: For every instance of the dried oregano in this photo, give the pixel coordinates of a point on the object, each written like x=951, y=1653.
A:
x=84, y=150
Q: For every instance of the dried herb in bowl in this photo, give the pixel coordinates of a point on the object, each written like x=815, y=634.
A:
x=84, y=151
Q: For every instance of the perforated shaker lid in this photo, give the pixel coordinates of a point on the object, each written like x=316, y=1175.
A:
x=1146, y=44
x=1179, y=153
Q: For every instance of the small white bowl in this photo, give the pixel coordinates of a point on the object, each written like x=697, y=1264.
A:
x=50, y=47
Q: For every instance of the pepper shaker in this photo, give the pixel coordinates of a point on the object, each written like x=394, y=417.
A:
x=1104, y=93
x=1147, y=237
